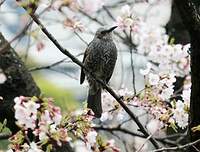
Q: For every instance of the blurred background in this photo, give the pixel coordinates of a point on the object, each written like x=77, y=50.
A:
x=61, y=81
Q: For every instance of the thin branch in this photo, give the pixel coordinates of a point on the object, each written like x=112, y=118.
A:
x=27, y=48
x=1, y=2
x=48, y=66
x=125, y=40
x=177, y=147
x=132, y=65
x=140, y=148
x=52, y=65
x=119, y=129
x=163, y=140
x=109, y=89
x=81, y=38
x=20, y=34
x=109, y=13
x=65, y=73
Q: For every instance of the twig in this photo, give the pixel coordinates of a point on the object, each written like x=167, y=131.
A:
x=48, y=66
x=1, y=2
x=109, y=89
x=125, y=40
x=132, y=66
x=27, y=49
x=67, y=74
x=140, y=148
x=177, y=147
x=52, y=65
x=119, y=129
x=109, y=13
x=21, y=33
x=80, y=38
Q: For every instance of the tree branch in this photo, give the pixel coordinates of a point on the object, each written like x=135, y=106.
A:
x=177, y=147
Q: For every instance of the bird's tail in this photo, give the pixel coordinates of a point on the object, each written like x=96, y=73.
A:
x=94, y=102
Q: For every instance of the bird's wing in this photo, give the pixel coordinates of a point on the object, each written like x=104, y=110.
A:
x=82, y=76
x=110, y=64
x=110, y=73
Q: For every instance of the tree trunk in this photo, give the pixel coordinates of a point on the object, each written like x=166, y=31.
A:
x=19, y=82
x=189, y=11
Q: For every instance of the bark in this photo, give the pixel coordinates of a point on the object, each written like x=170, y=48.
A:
x=19, y=82
x=189, y=11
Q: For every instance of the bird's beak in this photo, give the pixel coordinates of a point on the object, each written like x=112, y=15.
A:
x=111, y=29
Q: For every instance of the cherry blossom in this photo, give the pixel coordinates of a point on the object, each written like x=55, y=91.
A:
x=153, y=79
x=74, y=24
x=34, y=147
x=91, y=137
x=126, y=18
x=180, y=115
x=25, y=112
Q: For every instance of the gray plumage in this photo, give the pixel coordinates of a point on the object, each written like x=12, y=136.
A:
x=100, y=58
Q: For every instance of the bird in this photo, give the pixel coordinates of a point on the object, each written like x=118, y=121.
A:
x=99, y=58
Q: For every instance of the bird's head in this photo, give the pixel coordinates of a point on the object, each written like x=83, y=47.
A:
x=104, y=33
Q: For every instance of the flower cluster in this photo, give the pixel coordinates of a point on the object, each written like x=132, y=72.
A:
x=161, y=84
x=127, y=19
x=44, y=121
x=73, y=23
x=25, y=112
x=43, y=128
x=152, y=42
x=155, y=99
x=180, y=114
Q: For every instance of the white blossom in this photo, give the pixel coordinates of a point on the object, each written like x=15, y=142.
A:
x=81, y=147
x=166, y=93
x=153, y=79
x=34, y=147
x=186, y=96
x=153, y=126
x=43, y=136
x=45, y=117
x=180, y=115
x=91, y=137
x=31, y=107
